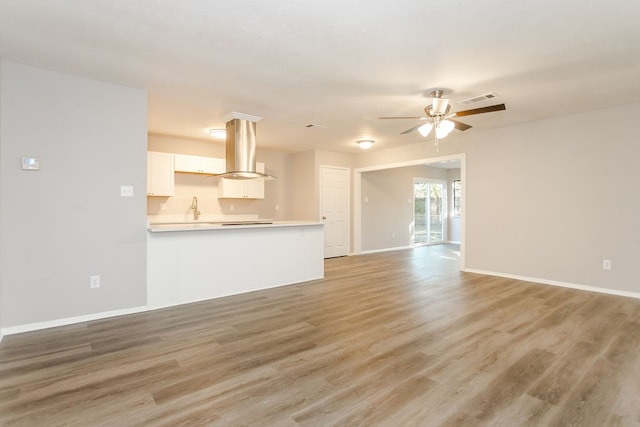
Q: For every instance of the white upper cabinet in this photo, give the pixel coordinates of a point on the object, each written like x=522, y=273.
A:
x=242, y=188
x=199, y=164
x=160, y=167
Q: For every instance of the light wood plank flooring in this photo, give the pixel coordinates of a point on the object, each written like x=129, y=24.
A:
x=392, y=339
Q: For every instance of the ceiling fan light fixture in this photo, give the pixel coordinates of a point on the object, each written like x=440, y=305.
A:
x=425, y=129
x=439, y=106
x=365, y=144
x=444, y=128
x=218, y=133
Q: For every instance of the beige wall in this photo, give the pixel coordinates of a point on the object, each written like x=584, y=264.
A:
x=274, y=206
x=549, y=199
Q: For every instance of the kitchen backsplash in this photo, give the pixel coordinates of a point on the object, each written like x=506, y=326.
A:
x=160, y=219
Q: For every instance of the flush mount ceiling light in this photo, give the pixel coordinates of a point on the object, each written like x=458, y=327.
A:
x=218, y=133
x=365, y=143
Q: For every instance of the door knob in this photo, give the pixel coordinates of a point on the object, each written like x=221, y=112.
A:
x=324, y=217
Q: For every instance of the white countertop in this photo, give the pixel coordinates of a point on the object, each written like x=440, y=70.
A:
x=202, y=226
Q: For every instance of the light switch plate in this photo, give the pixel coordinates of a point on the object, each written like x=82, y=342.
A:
x=126, y=191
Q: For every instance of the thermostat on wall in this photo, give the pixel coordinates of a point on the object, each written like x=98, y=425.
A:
x=30, y=164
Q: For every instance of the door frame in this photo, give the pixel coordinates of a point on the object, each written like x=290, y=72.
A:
x=347, y=200
x=357, y=198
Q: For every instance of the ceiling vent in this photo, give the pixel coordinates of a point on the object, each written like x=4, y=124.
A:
x=486, y=96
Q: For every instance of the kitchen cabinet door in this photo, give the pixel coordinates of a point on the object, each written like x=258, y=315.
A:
x=199, y=164
x=230, y=188
x=241, y=188
x=254, y=188
x=160, y=169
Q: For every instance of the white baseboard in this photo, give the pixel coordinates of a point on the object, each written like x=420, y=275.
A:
x=557, y=283
x=69, y=320
x=397, y=248
x=133, y=310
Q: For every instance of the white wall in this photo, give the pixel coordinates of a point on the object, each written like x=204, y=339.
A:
x=67, y=221
x=549, y=199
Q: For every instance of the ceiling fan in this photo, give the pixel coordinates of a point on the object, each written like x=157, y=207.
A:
x=439, y=117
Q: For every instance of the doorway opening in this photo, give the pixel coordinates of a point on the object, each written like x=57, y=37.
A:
x=429, y=212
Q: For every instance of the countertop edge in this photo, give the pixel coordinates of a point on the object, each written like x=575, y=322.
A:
x=162, y=228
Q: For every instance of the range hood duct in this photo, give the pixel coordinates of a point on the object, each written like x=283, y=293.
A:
x=241, y=151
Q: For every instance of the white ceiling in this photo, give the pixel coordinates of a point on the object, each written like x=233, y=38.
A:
x=336, y=64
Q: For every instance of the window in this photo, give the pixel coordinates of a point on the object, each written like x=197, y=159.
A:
x=457, y=193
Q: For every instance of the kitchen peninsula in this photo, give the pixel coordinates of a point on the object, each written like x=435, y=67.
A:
x=194, y=261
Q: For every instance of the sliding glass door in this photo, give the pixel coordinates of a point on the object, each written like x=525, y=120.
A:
x=429, y=211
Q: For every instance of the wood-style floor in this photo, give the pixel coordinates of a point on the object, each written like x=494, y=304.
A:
x=393, y=339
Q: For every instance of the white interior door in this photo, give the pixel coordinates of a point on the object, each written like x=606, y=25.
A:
x=334, y=210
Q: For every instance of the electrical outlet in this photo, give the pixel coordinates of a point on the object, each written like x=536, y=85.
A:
x=393, y=235
x=606, y=264
x=94, y=282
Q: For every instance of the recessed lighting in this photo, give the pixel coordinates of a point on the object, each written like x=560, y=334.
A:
x=365, y=143
x=218, y=133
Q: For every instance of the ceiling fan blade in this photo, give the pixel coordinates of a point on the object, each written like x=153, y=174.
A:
x=403, y=117
x=411, y=129
x=460, y=125
x=489, y=109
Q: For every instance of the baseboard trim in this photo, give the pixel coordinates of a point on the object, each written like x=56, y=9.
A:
x=557, y=283
x=133, y=310
x=29, y=327
x=397, y=248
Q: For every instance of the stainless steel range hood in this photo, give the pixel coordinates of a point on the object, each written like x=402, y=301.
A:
x=241, y=150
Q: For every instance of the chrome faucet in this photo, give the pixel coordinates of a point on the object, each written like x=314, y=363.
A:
x=194, y=206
